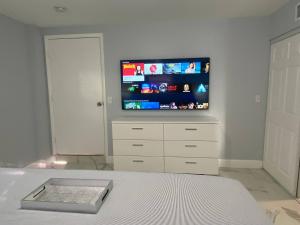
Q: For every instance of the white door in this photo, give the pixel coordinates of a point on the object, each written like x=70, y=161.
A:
x=282, y=139
x=76, y=94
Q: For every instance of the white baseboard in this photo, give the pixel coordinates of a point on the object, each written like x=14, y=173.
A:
x=232, y=163
x=51, y=159
x=228, y=163
x=109, y=159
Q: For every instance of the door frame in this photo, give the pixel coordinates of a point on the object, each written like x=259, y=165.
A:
x=47, y=38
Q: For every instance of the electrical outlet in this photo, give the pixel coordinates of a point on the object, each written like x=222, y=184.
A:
x=257, y=99
x=109, y=100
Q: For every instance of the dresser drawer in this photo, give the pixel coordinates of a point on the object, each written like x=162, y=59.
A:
x=138, y=131
x=206, y=149
x=137, y=163
x=192, y=165
x=196, y=132
x=138, y=148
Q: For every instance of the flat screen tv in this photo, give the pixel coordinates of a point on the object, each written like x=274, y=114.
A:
x=165, y=84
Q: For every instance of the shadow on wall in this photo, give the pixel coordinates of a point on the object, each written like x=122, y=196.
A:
x=246, y=62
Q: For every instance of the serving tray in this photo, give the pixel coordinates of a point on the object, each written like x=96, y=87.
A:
x=69, y=195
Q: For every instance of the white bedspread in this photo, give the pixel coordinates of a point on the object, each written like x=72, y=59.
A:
x=137, y=198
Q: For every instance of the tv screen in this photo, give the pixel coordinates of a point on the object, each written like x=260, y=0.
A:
x=165, y=84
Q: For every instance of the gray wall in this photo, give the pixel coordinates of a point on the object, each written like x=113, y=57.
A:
x=18, y=60
x=239, y=50
x=284, y=19
x=40, y=99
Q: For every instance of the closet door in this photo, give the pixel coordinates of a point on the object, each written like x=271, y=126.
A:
x=282, y=139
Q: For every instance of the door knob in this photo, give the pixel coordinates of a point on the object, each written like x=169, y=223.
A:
x=99, y=104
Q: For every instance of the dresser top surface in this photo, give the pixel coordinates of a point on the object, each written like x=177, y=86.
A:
x=165, y=119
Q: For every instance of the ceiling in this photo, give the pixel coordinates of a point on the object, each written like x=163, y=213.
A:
x=91, y=12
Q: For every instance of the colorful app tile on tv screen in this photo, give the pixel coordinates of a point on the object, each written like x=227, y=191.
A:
x=202, y=88
x=153, y=68
x=172, y=68
x=149, y=88
x=133, y=88
x=191, y=68
x=132, y=105
x=150, y=105
x=133, y=72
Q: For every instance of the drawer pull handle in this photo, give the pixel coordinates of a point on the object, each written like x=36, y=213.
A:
x=138, y=161
x=137, y=128
x=137, y=145
x=190, y=162
x=191, y=146
x=191, y=129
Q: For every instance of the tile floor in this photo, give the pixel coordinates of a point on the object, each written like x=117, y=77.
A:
x=270, y=195
x=72, y=162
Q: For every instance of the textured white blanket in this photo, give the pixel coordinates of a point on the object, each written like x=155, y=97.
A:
x=137, y=198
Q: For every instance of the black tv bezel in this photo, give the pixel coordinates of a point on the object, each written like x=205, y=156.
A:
x=160, y=61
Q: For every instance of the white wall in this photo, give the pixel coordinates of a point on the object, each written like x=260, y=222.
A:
x=239, y=51
x=18, y=108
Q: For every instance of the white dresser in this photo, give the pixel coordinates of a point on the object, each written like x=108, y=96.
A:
x=166, y=144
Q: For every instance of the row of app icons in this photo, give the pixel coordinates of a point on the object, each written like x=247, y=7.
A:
x=137, y=71
x=128, y=104
x=156, y=88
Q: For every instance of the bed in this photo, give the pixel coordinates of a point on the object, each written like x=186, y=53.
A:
x=137, y=198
